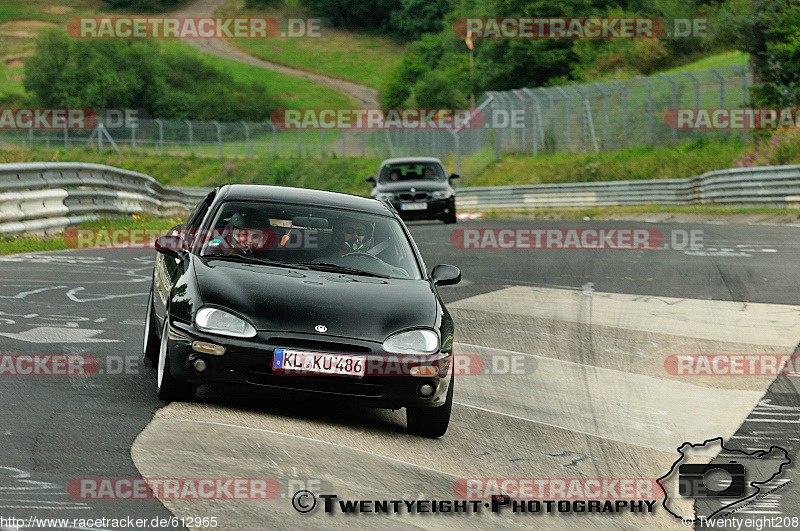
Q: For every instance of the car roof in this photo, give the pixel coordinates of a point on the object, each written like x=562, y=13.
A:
x=303, y=196
x=400, y=160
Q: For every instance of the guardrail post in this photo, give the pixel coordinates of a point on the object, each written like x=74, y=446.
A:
x=721, y=87
x=219, y=139
x=649, y=108
x=674, y=89
x=191, y=137
x=160, y=134
x=247, y=140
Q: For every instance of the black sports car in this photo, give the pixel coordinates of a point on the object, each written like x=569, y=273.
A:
x=302, y=291
x=417, y=187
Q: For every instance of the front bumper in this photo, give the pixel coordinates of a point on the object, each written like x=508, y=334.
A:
x=248, y=363
x=436, y=209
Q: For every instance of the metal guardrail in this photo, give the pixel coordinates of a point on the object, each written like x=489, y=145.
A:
x=771, y=186
x=43, y=197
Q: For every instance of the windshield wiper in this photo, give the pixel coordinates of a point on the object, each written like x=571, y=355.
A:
x=336, y=268
x=254, y=260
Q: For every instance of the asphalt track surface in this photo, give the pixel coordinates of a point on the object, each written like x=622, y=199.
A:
x=590, y=330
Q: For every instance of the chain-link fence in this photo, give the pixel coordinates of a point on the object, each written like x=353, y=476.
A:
x=579, y=118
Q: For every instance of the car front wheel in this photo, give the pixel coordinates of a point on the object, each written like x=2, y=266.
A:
x=430, y=422
x=169, y=388
x=151, y=342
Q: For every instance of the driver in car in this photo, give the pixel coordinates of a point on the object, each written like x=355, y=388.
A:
x=355, y=236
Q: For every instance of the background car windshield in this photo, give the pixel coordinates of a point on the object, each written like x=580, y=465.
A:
x=298, y=234
x=412, y=171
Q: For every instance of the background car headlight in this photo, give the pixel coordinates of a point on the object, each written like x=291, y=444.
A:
x=223, y=323
x=385, y=196
x=412, y=342
x=442, y=194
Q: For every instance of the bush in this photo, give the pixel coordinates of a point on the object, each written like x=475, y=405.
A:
x=127, y=74
x=143, y=5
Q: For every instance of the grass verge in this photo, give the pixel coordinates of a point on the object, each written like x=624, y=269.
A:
x=11, y=244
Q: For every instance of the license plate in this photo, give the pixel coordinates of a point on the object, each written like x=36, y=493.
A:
x=413, y=206
x=303, y=362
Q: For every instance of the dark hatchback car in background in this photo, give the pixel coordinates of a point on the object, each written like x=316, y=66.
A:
x=417, y=187
x=303, y=292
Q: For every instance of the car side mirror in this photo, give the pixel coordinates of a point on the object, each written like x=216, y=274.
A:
x=370, y=180
x=454, y=176
x=445, y=275
x=170, y=245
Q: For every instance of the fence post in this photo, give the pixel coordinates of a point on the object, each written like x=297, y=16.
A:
x=322, y=143
x=566, y=116
x=100, y=137
x=649, y=108
x=191, y=137
x=247, y=140
x=721, y=87
x=696, y=88
x=674, y=89
x=30, y=137
x=538, y=119
x=604, y=92
x=66, y=136
x=133, y=136
x=219, y=139
x=624, y=93
x=160, y=134
x=743, y=72
x=299, y=142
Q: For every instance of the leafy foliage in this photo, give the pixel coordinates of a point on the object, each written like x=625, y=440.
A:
x=129, y=74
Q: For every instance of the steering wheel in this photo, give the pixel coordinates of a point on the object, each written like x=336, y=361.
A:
x=360, y=253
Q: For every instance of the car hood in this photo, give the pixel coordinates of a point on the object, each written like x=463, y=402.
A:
x=289, y=300
x=401, y=186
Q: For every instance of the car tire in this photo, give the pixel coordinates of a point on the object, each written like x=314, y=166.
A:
x=430, y=422
x=151, y=341
x=451, y=217
x=168, y=388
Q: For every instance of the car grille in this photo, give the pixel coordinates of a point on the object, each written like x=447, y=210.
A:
x=417, y=196
x=318, y=346
x=262, y=375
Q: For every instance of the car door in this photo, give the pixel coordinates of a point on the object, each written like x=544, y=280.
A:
x=169, y=269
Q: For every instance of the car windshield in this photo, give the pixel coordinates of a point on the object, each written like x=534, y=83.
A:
x=310, y=237
x=412, y=171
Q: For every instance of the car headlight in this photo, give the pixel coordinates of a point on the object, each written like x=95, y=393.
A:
x=442, y=194
x=223, y=323
x=385, y=196
x=412, y=342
